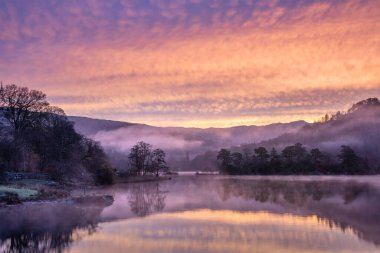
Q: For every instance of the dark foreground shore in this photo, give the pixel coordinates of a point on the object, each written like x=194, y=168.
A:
x=34, y=190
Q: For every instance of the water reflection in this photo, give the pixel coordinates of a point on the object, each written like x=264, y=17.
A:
x=294, y=192
x=206, y=214
x=43, y=241
x=222, y=231
x=342, y=204
x=46, y=227
x=146, y=198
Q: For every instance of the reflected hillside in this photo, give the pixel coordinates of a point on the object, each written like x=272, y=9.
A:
x=340, y=204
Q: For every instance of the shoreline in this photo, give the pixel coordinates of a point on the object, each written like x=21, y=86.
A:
x=22, y=191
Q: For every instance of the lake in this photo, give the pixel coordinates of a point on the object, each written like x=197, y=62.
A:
x=206, y=214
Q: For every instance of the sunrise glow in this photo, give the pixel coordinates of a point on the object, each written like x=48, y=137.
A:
x=193, y=62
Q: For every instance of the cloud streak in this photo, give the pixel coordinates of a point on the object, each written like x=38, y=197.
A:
x=182, y=60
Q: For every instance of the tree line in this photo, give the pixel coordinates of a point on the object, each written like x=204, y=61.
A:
x=292, y=160
x=363, y=104
x=38, y=137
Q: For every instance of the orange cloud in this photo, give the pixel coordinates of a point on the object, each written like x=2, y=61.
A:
x=216, y=59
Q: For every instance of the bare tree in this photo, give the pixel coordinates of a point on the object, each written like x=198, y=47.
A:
x=143, y=160
x=22, y=107
x=139, y=157
x=158, y=162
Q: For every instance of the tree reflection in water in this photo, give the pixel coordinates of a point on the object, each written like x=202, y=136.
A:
x=31, y=228
x=293, y=192
x=339, y=204
x=146, y=198
x=52, y=227
x=43, y=241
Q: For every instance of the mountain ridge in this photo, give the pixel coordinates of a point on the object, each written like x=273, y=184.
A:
x=180, y=143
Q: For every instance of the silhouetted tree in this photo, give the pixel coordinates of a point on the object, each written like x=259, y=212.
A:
x=237, y=162
x=139, y=157
x=289, y=153
x=158, y=162
x=262, y=154
x=224, y=156
x=274, y=161
x=316, y=155
x=23, y=108
x=143, y=160
x=369, y=102
x=299, y=151
x=96, y=162
x=38, y=137
x=351, y=163
x=294, y=160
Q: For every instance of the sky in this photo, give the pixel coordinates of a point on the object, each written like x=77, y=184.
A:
x=194, y=63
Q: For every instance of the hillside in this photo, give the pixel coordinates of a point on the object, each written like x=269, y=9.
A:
x=196, y=148
x=89, y=126
x=180, y=144
x=359, y=128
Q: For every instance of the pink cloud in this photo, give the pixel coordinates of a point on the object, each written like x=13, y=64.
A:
x=153, y=57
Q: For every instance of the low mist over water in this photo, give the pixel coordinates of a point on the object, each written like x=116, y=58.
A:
x=206, y=214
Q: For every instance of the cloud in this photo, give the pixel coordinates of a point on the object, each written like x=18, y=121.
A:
x=191, y=57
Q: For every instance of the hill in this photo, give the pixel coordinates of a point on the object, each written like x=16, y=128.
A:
x=196, y=148
x=89, y=126
x=180, y=144
x=358, y=127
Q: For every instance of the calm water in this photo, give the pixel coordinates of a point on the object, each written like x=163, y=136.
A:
x=206, y=214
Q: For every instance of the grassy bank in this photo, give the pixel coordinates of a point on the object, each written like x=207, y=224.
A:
x=21, y=193
x=16, y=192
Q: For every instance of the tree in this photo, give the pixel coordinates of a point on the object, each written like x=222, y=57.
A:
x=350, y=162
x=316, y=155
x=96, y=162
x=262, y=154
x=22, y=107
x=237, y=159
x=274, y=155
x=54, y=139
x=224, y=156
x=295, y=159
x=139, y=157
x=158, y=162
x=143, y=160
x=37, y=136
x=274, y=162
x=288, y=153
x=299, y=151
x=369, y=102
x=338, y=115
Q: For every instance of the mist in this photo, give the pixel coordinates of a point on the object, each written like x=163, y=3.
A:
x=195, y=148
x=180, y=144
x=124, y=138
